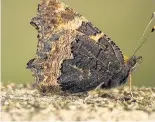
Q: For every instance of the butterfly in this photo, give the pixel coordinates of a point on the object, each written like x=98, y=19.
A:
x=73, y=54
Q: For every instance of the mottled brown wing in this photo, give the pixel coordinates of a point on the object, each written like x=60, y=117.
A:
x=71, y=51
x=93, y=63
x=94, y=33
x=56, y=24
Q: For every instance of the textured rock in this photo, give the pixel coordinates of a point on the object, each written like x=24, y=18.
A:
x=21, y=102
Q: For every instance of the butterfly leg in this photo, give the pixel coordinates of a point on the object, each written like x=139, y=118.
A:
x=94, y=92
x=130, y=82
x=91, y=94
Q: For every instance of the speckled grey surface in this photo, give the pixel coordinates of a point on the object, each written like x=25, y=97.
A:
x=21, y=102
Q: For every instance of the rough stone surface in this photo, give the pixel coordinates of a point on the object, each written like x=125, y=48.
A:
x=22, y=102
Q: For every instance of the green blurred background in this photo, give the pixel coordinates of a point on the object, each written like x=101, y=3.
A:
x=123, y=20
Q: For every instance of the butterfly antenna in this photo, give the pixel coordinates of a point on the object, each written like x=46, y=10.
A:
x=145, y=39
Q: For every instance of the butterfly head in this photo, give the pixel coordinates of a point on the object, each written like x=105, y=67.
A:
x=133, y=62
